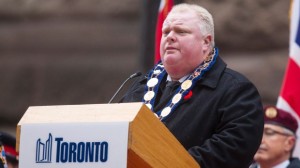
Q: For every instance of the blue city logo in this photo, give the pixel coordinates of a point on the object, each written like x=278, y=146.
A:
x=68, y=151
x=44, y=150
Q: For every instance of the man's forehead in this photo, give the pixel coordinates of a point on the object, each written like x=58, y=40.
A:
x=272, y=126
x=179, y=19
x=173, y=21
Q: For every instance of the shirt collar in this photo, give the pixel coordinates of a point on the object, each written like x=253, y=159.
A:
x=211, y=77
x=180, y=80
x=283, y=164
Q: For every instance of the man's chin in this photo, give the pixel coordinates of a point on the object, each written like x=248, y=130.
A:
x=171, y=60
x=260, y=156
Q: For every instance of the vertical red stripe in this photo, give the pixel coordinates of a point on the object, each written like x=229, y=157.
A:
x=290, y=92
x=160, y=19
x=291, y=86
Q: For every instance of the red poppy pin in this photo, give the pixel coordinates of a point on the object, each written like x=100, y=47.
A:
x=188, y=96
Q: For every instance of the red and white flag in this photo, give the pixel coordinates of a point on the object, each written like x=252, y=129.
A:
x=289, y=98
x=164, y=8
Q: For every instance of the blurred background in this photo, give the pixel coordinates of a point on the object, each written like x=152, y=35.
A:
x=63, y=52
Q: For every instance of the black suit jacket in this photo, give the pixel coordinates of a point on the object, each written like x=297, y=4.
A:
x=221, y=125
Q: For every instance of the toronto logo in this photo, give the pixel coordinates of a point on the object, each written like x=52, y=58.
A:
x=44, y=150
x=69, y=151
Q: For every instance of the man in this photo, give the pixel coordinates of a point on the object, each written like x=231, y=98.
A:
x=9, y=150
x=2, y=156
x=213, y=111
x=278, y=141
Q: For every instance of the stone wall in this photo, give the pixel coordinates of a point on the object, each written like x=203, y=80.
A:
x=79, y=52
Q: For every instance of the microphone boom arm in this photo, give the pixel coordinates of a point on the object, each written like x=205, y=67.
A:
x=130, y=77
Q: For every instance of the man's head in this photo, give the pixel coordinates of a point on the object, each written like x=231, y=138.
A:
x=187, y=39
x=279, y=137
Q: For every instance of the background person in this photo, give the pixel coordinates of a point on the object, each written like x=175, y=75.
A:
x=9, y=145
x=278, y=141
x=2, y=156
x=213, y=111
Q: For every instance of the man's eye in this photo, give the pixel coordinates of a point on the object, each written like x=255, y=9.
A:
x=165, y=33
x=269, y=132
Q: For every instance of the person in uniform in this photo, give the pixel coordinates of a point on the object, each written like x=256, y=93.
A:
x=213, y=111
x=10, y=154
x=2, y=156
x=278, y=142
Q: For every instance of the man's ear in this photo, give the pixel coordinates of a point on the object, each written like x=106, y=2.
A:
x=290, y=143
x=207, y=43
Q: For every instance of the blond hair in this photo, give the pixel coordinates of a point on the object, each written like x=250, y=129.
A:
x=206, y=22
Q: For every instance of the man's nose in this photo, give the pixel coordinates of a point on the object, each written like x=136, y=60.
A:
x=171, y=37
x=263, y=138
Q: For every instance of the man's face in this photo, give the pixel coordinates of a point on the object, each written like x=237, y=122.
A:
x=275, y=146
x=183, y=47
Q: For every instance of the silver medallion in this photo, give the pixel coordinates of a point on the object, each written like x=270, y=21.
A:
x=166, y=111
x=186, y=84
x=176, y=98
x=156, y=71
x=152, y=82
x=149, y=95
x=149, y=105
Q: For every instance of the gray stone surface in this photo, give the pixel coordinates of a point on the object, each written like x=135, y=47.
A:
x=249, y=25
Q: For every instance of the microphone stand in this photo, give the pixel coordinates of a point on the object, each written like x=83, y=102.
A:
x=130, y=77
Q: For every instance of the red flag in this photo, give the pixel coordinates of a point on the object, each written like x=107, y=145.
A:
x=289, y=98
x=164, y=8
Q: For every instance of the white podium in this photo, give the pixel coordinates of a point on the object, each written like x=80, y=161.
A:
x=97, y=135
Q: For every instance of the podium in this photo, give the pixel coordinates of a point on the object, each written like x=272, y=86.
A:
x=95, y=135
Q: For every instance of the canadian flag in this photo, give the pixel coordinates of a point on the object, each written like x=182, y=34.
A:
x=164, y=8
x=289, y=98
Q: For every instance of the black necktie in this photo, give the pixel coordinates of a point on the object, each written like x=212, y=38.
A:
x=167, y=94
x=170, y=88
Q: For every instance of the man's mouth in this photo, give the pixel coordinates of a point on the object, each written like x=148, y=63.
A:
x=262, y=149
x=171, y=49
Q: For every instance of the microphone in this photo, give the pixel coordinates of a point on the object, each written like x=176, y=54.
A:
x=130, y=77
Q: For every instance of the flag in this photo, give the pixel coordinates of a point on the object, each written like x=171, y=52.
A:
x=164, y=8
x=289, y=98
